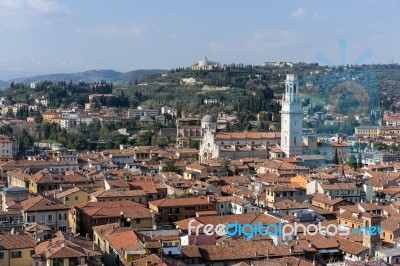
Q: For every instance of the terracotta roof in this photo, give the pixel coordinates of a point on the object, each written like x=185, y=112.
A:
x=153, y=259
x=318, y=197
x=351, y=247
x=124, y=241
x=16, y=242
x=290, y=204
x=248, y=135
x=42, y=203
x=66, y=246
x=133, y=212
x=281, y=188
x=242, y=249
x=279, y=165
x=117, y=183
x=391, y=224
x=116, y=194
x=181, y=202
x=20, y=175
x=67, y=192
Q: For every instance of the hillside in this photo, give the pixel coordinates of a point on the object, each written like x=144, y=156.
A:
x=4, y=84
x=92, y=76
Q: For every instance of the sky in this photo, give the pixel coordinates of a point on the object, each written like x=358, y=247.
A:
x=49, y=36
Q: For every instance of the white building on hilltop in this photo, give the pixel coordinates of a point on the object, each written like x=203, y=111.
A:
x=291, y=118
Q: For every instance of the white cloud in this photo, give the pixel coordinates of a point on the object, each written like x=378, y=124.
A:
x=299, y=13
x=316, y=16
x=26, y=14
x=379, y=27
x=134, y=30
x=46, y=6
x=272, y=39
x=216, y=46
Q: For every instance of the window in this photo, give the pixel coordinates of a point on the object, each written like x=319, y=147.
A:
x=58, y=262
x=50, y=217
x=31, y=219
x=137, y=221
x=62, y=228
x=76, y=197
x=62, y=216
x=32, y=252
x=95, y=221
x=43, y=218
x=16, y=254
x=1, y=255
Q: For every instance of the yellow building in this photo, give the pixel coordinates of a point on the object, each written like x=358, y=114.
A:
x=18, y=178
x=16, y=250
x=389, y=131
x=302, y=180
x=73, y=196
x=126, y=244
x=49, y=116
x=367, y=131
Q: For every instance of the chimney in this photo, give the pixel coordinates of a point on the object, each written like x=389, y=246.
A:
x=291, y=250
x=49, y=243
x=121, y=219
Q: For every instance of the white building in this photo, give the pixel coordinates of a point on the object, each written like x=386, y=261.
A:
x=141, y=112
x=292, y=118
x=234, y=145
x=8, y=148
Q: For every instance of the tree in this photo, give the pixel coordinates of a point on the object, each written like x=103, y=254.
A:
x=335, y=157
x=224, y=166
x=171, y=167
x=359, y=162
x=195, y=144
x=25, y=140
x=352, y=161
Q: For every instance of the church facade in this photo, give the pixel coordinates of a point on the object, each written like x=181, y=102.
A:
x=238, y=145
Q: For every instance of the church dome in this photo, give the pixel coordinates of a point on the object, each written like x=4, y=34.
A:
x=209, y=119
x=203, y=62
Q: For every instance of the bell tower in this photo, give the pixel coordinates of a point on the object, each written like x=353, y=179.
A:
x=291, y=118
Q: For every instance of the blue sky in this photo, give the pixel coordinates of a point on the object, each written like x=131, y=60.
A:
x=46, y=36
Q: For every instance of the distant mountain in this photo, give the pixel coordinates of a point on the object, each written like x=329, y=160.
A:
x=4, y=84
x=93, y=76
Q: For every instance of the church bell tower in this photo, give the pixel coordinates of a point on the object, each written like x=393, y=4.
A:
x=291, y=118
